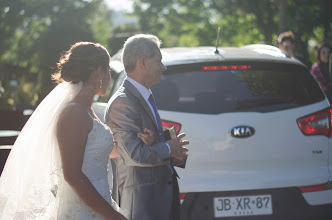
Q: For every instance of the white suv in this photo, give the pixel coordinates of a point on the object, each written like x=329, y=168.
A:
x=259, y=127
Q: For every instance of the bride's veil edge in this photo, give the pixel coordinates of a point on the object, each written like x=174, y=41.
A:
x=32, y=174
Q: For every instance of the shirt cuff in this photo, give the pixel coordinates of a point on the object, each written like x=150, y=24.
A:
x=169, y=149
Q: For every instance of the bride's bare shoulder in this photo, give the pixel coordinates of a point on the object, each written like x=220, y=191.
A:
x=74, y=115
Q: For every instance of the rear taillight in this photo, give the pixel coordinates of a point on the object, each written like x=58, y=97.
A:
x=318, y=123
x=182, y=195
x=170, y=124
x=313, y=188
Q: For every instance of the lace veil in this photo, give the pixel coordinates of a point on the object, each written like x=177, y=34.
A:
x=32, y=174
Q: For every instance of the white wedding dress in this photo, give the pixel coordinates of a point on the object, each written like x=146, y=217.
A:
x=32, y=186
x=98, y=148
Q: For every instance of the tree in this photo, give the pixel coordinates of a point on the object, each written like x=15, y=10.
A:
x=34, y=34
x=195, y=22
x=282, y=17
x=264, y=13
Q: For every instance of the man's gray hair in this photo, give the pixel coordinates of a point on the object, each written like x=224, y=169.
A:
x=137, y=46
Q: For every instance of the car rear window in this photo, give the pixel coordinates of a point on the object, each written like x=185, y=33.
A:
x=236, y=87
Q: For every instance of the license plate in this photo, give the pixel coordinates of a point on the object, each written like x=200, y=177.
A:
x=242, y=206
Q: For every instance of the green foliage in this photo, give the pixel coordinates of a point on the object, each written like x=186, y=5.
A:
x=34, y=33
x=119, y=36
x=195, y=22
x=100, y=23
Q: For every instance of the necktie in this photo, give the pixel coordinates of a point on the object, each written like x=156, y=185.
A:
x=154, y=106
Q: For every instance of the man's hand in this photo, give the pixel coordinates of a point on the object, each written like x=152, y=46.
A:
x=178, y=161
x=146, y=137
x=178, y=152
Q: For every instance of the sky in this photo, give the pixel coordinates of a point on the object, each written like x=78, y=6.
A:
x=120, y=5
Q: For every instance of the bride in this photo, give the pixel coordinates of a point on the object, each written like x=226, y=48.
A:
x=57, y=168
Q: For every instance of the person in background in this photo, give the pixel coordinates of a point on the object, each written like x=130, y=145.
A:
x=320, y=69
x=286, y=43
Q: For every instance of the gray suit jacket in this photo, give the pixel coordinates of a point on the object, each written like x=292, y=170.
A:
x=142, y=176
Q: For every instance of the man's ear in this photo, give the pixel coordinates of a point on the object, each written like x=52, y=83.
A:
x=141, y=62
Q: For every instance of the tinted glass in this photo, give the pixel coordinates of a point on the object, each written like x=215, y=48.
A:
x=265, y=87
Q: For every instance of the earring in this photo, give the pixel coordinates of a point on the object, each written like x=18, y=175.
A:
x=101, y=84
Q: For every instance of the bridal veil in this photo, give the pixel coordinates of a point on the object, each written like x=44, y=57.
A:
x=32, y=174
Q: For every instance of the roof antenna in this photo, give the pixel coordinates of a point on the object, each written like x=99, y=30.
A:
x=217, y=44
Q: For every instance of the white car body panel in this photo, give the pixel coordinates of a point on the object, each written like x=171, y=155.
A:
x=219, y=162
x=99, y=108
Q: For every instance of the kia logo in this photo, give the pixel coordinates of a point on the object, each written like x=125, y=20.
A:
x=242, y=131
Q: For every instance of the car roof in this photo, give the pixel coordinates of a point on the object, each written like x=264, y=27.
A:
x=254, y=52
x=188, y=55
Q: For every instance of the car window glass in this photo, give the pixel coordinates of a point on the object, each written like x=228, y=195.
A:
x=263, y=88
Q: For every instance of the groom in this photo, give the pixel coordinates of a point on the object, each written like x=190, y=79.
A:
x=145, y=182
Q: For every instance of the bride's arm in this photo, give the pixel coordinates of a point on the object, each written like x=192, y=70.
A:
x=73, y=128
x=114, y=153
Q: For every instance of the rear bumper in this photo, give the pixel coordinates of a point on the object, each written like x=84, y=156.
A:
x=287, y=203
x=318, y=198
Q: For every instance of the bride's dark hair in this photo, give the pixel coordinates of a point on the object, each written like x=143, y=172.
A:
x=80, y=61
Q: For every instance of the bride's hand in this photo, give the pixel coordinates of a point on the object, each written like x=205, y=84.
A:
x=115, y=153
x=146, y=137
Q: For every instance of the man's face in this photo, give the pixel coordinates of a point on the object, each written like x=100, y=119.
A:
x=287, y=46
x=154, y=68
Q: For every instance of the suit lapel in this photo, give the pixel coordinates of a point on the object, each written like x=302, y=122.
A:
x=132, y=89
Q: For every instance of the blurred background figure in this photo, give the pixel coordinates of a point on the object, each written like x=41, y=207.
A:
x=286, y=43
x=320, y=69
